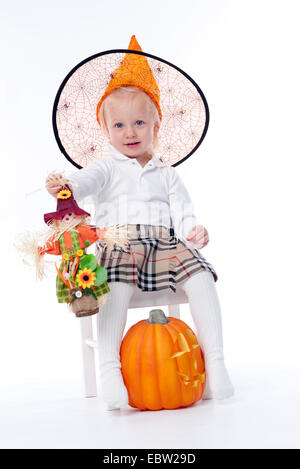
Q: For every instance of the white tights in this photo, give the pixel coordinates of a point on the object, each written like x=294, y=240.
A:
x=205, y=309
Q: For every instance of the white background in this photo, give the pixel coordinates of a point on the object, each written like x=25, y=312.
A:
x=243, y=180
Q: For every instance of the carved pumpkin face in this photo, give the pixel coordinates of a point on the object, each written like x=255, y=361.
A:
x=162, y=364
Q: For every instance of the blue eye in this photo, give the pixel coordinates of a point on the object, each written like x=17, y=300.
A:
x=119, y=125
x=139, y=122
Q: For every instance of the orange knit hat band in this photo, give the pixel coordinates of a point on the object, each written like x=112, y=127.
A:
x=135, y=71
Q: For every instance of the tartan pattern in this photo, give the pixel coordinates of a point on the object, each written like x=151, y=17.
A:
x=62, y=291
x=102, y=289
x=155, y=259
x=62, y=244
x=75, y=240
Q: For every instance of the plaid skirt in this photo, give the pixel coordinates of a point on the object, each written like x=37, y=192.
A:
x=155, y=259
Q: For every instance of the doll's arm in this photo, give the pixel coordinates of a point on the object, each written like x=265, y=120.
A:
x=112, y=236
x=52, y=246
x=90, y=180
x=87, y=235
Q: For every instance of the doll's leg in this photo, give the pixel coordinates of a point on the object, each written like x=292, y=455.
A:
x=111, y=321
x=206, y=313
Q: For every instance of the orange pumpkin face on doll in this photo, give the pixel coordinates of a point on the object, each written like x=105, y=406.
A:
x=162, y=364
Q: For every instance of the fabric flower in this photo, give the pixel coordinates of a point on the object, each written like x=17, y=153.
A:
x=86, y=278
x=66, y=256
x=79, y=253
x=64, y=194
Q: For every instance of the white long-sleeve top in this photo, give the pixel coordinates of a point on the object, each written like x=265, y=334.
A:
x=125, y=193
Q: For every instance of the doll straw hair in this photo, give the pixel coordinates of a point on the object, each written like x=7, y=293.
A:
x=130, y=91
x=27, y=244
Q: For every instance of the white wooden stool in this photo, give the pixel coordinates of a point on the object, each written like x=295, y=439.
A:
x=139, y=299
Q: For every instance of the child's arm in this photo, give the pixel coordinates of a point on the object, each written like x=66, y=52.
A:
x=182, y=212
x=90, y=180
x=85, y=182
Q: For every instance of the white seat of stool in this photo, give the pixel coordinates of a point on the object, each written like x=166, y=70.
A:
x=139, y=299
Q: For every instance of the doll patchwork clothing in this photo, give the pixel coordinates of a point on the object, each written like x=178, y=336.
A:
x=62, y=291
x=68, y=243
x=155, y=259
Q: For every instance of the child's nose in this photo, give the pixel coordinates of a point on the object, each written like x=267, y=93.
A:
x=130, y=132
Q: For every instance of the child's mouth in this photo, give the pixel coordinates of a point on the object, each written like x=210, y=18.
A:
x=134, y=144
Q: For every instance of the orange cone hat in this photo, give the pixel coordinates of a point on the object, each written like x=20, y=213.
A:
x=134, y=70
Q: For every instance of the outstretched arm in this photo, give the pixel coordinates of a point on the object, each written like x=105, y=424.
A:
x=87, y=181
x=90, y=180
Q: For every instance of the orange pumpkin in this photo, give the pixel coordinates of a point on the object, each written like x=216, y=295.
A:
x=162, y=364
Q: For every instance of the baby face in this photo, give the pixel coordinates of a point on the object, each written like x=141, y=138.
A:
x=130, y=124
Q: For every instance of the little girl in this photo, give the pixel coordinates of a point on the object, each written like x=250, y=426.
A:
x=132, y=187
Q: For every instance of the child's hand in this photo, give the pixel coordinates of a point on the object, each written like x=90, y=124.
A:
x=54, y=182
x=199, y=236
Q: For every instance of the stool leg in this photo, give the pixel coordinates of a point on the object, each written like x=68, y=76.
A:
x=174, y=311
x=88, y=357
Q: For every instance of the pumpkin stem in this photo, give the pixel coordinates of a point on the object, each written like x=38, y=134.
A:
x=157, y=316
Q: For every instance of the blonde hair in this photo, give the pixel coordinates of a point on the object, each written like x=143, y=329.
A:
x=121, y=90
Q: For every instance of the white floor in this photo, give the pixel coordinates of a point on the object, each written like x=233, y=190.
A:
x=265, y=413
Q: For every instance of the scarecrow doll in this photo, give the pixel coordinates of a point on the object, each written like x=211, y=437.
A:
x=81, y=282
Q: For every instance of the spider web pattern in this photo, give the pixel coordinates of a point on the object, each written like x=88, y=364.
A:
x=184, y=113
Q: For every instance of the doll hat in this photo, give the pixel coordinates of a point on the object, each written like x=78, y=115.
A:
x=65, y=204
x=180, y=102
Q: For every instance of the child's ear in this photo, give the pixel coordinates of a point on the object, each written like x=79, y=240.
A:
x=156, y=128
